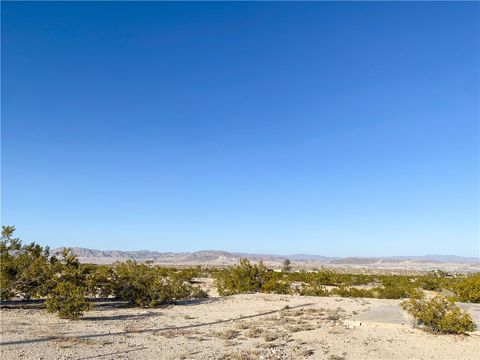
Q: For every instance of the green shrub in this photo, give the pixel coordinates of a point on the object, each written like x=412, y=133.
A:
x=198, y=293
x=397, y=287
x=8, y=270
x=433, y=282
x=67, y=268
x=241, y=278
x=25, y=270
x=34, y=276
x=323, y=277
x=329, y=278
x=68, y=300
x=277, y=285
x=148, y=286
x=188, y=274
x=313, y=289
x=439, y=315
x=344, y=291
x=468, y=289
x=99, y=281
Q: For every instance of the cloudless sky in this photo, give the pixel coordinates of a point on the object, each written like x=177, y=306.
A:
x=348, y=129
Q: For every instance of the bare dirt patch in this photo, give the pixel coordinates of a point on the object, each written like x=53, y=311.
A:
x=254, y=326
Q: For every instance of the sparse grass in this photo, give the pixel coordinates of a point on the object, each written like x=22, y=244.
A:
x=242, y=325
x=306, y=353
x=229, y=343
x=234, y=356
x=270, y=336
x=228, y=334
x=333, y=315
x=173, y=333
x=247, y=355
x=67, y=341
x=300, y=327
x=254, y=332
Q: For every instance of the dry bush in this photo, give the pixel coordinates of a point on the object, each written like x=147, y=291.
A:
x=175, y=333
x=306, y=353
x=303, y=326
x=254, y=332
x=270, y=336
x=228, y=334
x=246, y=355
x=242, y=325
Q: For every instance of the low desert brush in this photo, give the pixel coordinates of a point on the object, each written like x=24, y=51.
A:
x=68, y=300
x=439, y=315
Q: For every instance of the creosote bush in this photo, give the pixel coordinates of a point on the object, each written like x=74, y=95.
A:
x=344, y=291
x=468, y=289
x=68, y=300
x=439, y=315
x=277, y=284
x=247, y=278
x=99, y=281
x=29, y=271
x=242, y=278
x=148, y=286
x=313, y=289
x=25, y=269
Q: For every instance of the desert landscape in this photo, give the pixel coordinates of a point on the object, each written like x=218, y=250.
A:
x=217, y=258
x=240, y=180
x=246, y=326
x=62, y=304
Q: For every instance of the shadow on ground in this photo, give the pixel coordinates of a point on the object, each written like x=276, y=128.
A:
x=141, y=331
x=98, y=304
x=122, y=317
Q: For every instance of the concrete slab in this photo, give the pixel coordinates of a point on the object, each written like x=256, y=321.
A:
x=388, y=314
x=394, y=314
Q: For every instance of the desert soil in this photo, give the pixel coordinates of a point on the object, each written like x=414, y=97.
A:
x=253, y=326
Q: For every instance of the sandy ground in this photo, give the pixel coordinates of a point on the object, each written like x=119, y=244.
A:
x=254, y=326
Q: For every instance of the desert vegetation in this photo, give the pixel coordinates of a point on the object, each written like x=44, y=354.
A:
x=439, y=315
x=246, y=278
x=30, y=271
x=68, y=287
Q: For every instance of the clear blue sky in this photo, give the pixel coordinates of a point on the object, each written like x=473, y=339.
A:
x=346, y=129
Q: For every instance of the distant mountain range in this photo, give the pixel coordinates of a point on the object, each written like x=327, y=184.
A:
x=217, y=257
